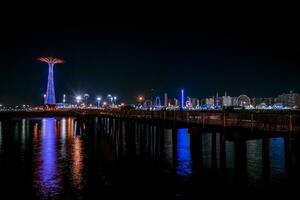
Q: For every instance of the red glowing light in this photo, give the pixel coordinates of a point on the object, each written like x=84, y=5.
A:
x=51, y=60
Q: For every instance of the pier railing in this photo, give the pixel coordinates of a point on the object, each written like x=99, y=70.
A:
x=273, y=121
x=286, y=121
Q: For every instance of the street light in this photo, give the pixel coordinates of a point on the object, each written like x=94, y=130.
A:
x=98, y=101
x=110, y=98
x=140, y=98
x=104, y=103
x=115, y=100
x=64, y=98
x=44, y=97
x=86, y=96
x=78, y=99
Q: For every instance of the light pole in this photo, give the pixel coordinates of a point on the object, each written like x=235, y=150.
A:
x=152, y=98
x=104, y=104
x=86, y=96
x=98, y=101
x=64, y=99
x=109, y=97
x=140, y=100
x=78, y=99
x=44, y=97
x=115, y=100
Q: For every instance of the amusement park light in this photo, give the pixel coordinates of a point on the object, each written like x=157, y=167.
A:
x=182, y=98
x=50, y=93
x=78, y=99
x=114, y=100
x=140, y=98
x=98, y=101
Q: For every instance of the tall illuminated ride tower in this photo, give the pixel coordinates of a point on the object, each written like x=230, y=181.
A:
x=50, y=94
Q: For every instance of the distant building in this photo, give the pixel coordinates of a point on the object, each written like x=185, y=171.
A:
x=194, y=102
x=226, y=100
x=198, y=103
x=188, y=102
x=218, y=101
x=290, y=99
x=257, y=101
x=166, y=100
x=173, y=103
x=269, y=101
x=210, y=102
x=234, y=101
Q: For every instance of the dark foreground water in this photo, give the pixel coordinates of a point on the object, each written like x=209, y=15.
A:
x=66, y=158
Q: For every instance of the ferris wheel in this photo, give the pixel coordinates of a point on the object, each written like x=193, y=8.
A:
x=243, y=100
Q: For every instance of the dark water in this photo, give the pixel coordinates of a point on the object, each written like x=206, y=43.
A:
x=66, y=158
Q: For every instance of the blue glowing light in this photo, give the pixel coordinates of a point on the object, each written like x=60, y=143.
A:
x=49, y=98
x=50, y=94
x=78, y=99
x=277, y=160
x=182, y=98
x=98, y=101
x=184, y=167
x=157, y=101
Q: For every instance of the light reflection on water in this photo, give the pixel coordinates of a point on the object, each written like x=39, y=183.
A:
x=184, y=167
x=254, y=162
x=63, y=135
x=23, y=140
x=48, y=179
x=168, y=148
x=0, y=137
x=230, y=157
x=207, y=150
x=277, y=159
x=77, y=158
x=68, y=154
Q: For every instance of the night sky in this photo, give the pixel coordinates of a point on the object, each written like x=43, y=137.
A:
x=127, y=56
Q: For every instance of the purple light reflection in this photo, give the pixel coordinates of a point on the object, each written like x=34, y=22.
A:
x=48, y=181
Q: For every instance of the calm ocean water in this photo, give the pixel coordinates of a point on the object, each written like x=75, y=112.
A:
x=96, y=158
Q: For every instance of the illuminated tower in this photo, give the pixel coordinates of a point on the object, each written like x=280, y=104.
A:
x=50, y=94
x=182, y=99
